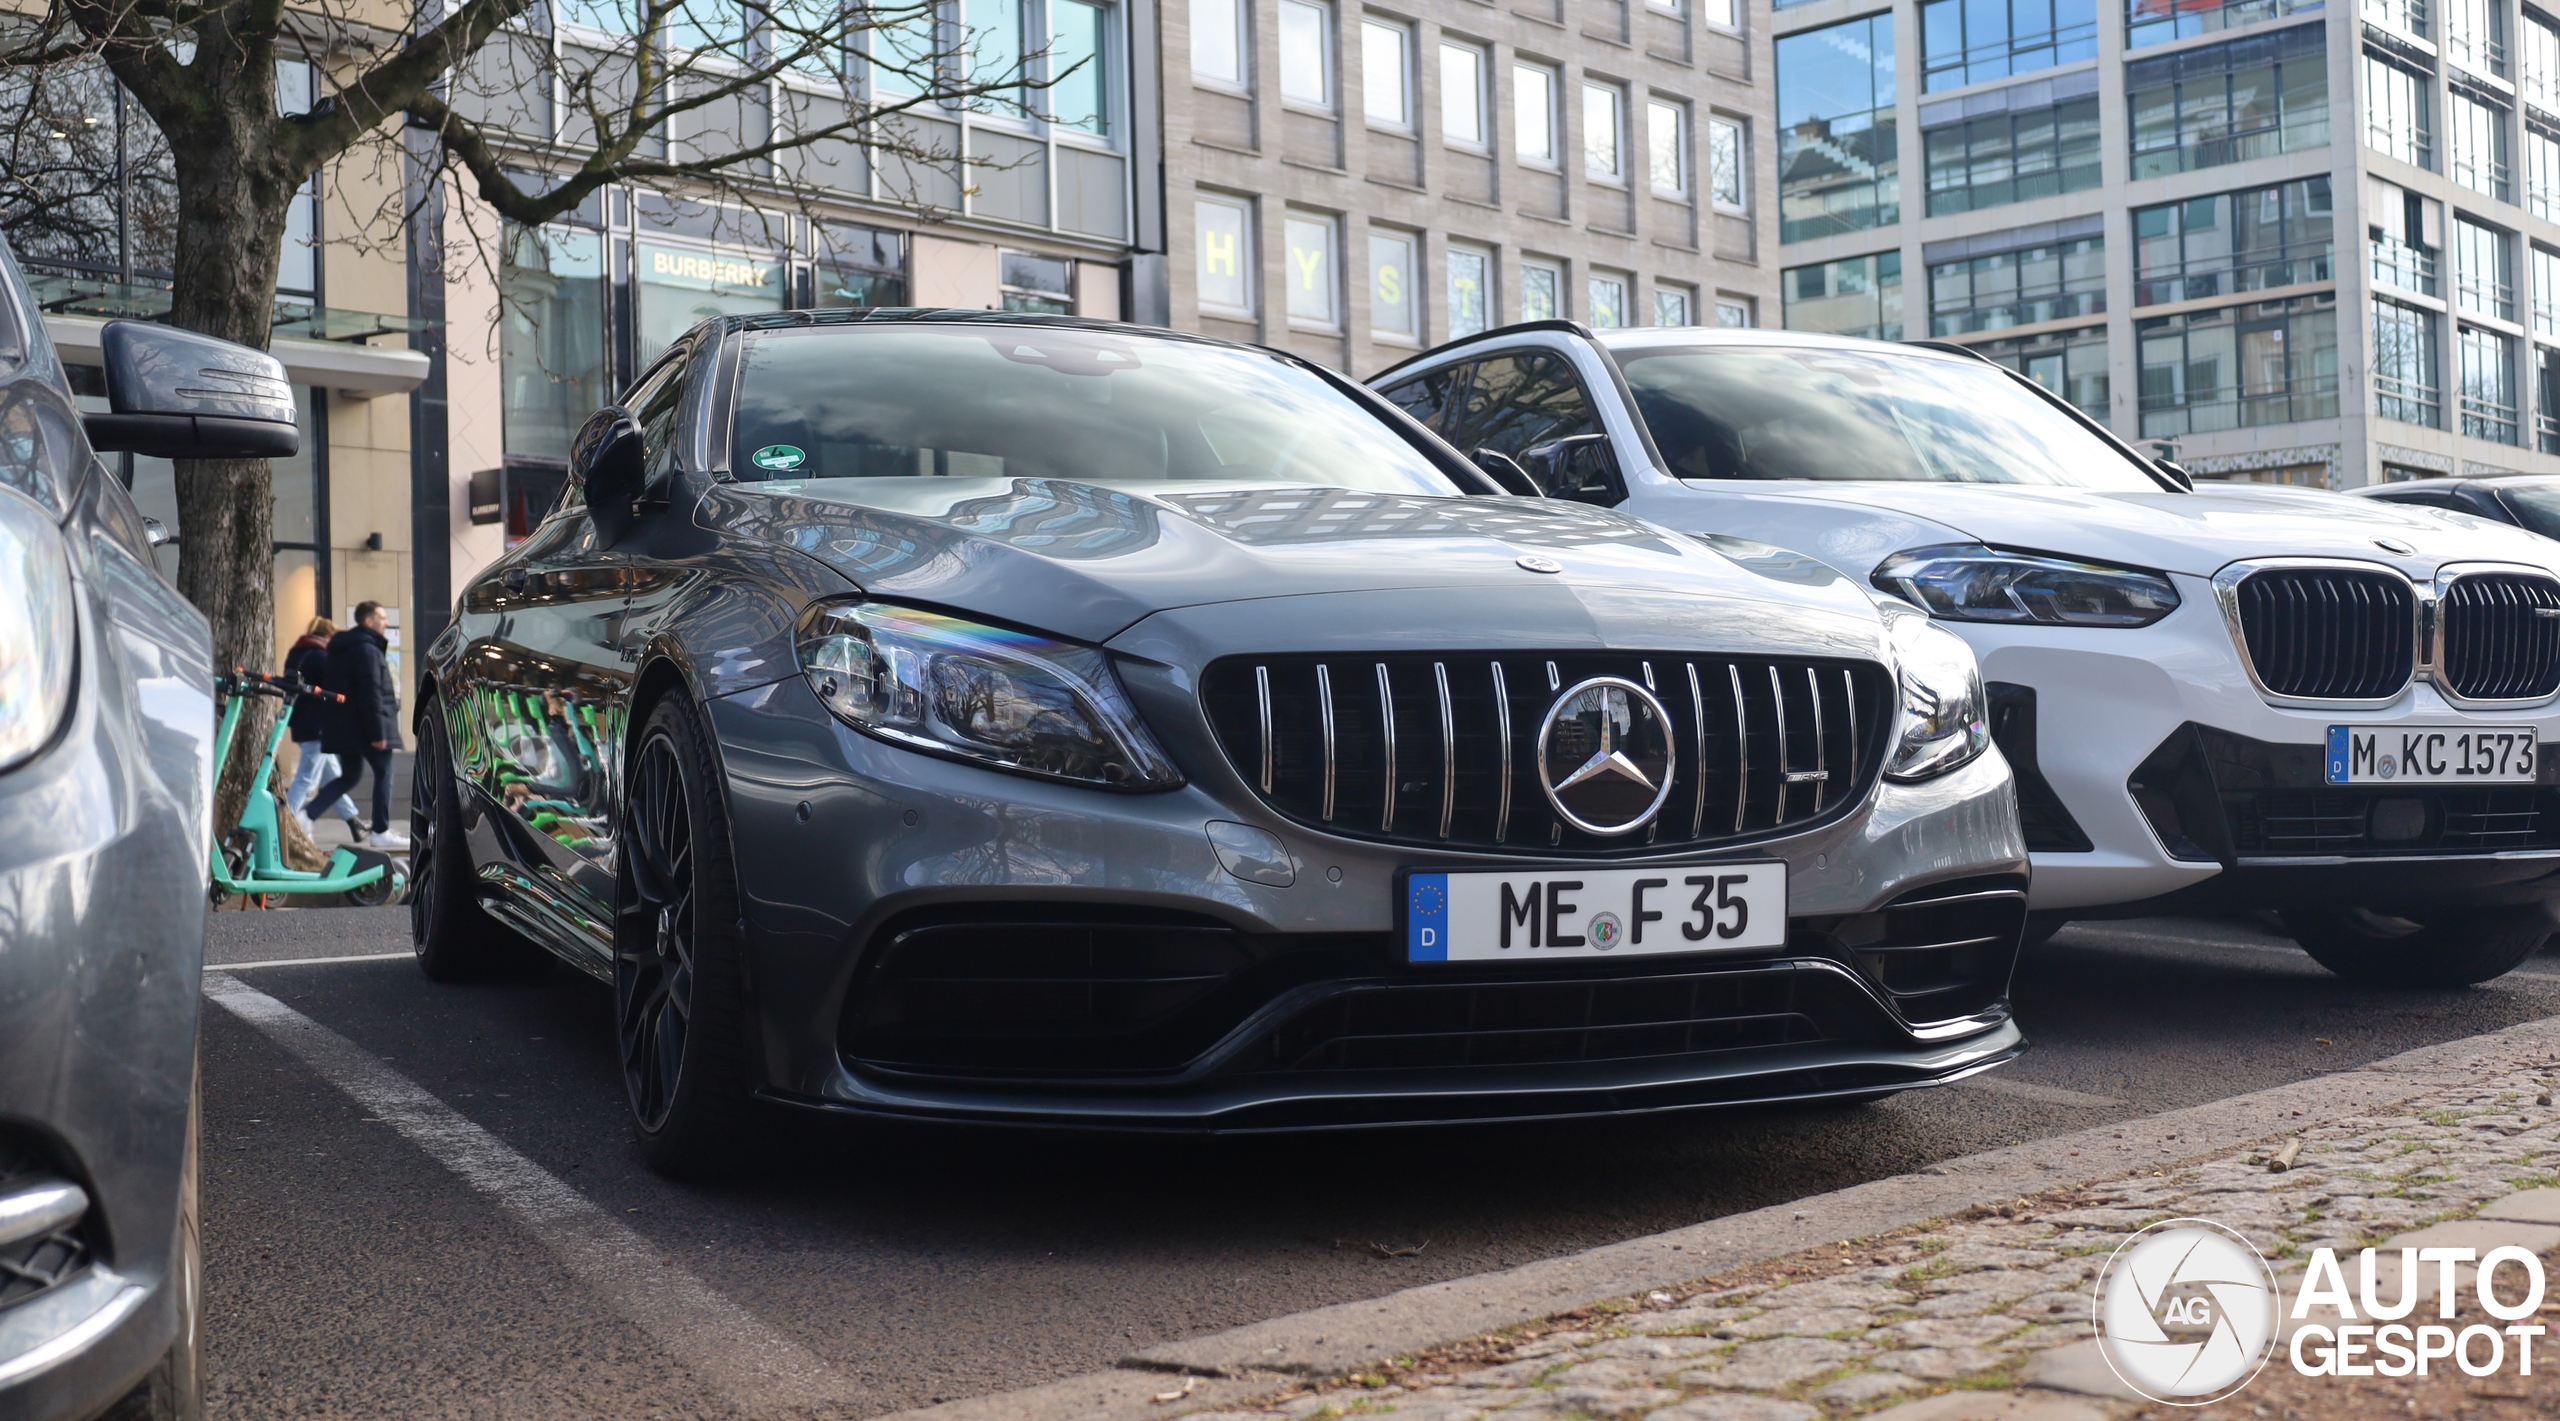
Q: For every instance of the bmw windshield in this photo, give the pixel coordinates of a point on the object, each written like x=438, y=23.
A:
x=1761, y=413
x=983, y=401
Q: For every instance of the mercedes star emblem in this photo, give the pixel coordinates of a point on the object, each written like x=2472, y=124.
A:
x=2394, y=545
x=1604, y=756
x=1538, y=564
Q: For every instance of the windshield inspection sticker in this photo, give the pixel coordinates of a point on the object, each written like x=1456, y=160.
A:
x=778, y=456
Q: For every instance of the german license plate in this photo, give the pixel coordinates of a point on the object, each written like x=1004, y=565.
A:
x=1538, y=914
x=2431, y=754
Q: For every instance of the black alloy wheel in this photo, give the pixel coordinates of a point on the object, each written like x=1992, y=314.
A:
x=678, y=1003
x=455, y=938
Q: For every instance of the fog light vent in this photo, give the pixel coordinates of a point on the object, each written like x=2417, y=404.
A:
x=2397, y=821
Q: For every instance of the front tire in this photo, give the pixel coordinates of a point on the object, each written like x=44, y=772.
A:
x=678, y=981
x=455, y=938
x=2454, y=950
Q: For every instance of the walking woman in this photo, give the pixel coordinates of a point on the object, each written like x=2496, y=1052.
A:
x=309, y=659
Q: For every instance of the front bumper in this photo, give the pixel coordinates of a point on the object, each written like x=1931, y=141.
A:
x=2116, y=709
x=1300, y=1010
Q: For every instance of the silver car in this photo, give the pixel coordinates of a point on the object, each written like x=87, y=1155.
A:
x=993, y=718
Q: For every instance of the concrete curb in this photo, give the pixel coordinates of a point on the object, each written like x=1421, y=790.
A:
x=1248, y=1361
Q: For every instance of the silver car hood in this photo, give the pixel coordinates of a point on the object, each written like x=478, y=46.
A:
x=1087, y=561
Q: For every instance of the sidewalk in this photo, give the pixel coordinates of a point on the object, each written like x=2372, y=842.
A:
x=1988, y=1316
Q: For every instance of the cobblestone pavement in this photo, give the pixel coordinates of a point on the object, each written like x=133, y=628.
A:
x=1987, y=1318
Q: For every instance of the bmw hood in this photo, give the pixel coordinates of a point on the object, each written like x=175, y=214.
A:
x=1855, y=526
x=1087, y=561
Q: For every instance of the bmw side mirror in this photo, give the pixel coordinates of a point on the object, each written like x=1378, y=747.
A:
x=175, y=394
x=605, y=458
x=1506, y=471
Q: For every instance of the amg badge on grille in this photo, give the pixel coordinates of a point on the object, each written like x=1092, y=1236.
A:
x=1604, y=756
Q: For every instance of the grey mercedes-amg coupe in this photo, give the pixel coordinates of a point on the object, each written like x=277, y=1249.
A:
x=989, y=717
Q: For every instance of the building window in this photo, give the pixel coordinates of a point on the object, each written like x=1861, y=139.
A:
x=1046, y=285
x=2159, y=21
x=2018, y=288
x=2397, y=122
x=1603, y=128
x=1861, y=296
x=1734, y=313
x=1226, y=254
x=2234, y=242
x=1311, y=272
x=2012, y=157
x=905, y=54
x=2407, y=16
x=1470, y=303
x=2072, y=364
x=2546, y=291
x=1391, y=305
x=2484, y=273
x=1723, y=14
x=1725, y=164
x=2488, y=385
x=1218, y=45
x=2541, y=172
x=1306, y=53
x=858, y=266
x=1079, y=94
x=678, y=286
x=2479, y=144
x=2405, y=385
x=1671, y=305
x=2546, y=407
x=2403, y=254
x=2239, y=367
x=1608, y=296
x=992, y=48
x=1838, y=170
x=2475, y=35
x=1666, y=148
x=2538, y=78
x=551, y=325
x=2227, y=103
x=1974, y=41
x=1386, y=73
x=1462, y=95
x=1541, y=291
x=1533, y=113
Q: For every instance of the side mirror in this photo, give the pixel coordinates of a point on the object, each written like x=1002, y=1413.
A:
x=175, y=394
x=2177, y=474
x=605, y=458
x=1579, y=467
x=157, y=533
x=1506, y=471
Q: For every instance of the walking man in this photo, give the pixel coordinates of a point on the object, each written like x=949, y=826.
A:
x=361, y=728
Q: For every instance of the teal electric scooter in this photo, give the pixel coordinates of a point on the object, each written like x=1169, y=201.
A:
x=250, y=859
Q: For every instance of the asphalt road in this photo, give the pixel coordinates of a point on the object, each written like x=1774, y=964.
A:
x=350, y=1274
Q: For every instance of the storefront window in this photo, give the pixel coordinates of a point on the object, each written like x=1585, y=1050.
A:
x=859, y=266
x=680, y=286
x=551, y=337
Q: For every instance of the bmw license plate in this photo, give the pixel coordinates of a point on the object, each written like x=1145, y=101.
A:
x=1594, y=912
x=2431, y=754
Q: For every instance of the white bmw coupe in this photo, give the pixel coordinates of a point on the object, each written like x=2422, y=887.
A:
x=2215, y=697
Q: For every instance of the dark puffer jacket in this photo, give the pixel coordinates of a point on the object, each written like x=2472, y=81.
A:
x=309, y=660
x=360, y=670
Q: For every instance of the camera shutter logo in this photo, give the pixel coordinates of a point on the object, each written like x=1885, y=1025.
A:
x=2186, y=1312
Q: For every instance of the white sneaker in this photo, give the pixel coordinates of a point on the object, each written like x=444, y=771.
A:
x=389, y=840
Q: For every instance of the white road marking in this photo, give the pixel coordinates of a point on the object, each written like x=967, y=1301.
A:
x=755, y=1367
x=310, y=961
x=2027, y=1090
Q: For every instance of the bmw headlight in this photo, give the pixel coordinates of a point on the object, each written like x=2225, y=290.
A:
x=990, y=694
x=1970, y=583
x=39, y=634
x=1943, y=719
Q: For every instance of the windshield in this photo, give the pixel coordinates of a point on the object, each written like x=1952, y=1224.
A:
x=2536, y=506
x=1032, y=402
x=1760, y=413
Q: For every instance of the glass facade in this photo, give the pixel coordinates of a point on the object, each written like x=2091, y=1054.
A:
x=858, y=266
x=2406, y=386
x=551, y=337
x=2160, y=21
x=678, y=286
x=2546, y=399
x=2488, y=385
x=2478, y=128
x=2538, y=73
x=1541, y=292
x=1838, y=168
x=2475, y=35
x=2227, y=103
x=1470, y=298
x=1310, y=269
x=1974, y=41
x=2484, y=272
x=2541, y=173
x=2234, y=242
x=2012, y=157
x=1861, y=296
x=2397, y=121
x=1990, y=292
x=2072, y=364
x=1392, y=308
x=2236, y=367
x=2546, y=291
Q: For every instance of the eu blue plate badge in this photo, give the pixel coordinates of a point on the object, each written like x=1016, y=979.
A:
x=1426, y=917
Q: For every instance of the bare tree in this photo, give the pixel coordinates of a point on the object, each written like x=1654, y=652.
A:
x=696, y=96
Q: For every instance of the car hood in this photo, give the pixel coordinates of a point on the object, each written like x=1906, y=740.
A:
x=1086, y=560
x=2197, y=533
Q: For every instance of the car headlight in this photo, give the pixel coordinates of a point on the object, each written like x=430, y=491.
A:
x=39, y=634
x=1971, y=583
x=1943, y=720
x=993, y=695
